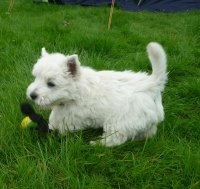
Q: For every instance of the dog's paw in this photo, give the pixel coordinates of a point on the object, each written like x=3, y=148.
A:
x=102, y=142
x=97, y=142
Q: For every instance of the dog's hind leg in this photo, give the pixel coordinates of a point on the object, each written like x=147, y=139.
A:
x=151, y=131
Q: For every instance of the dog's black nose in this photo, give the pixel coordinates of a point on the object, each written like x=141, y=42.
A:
x=33, y=96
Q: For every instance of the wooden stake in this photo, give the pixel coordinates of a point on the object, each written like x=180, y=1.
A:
x=111, y=13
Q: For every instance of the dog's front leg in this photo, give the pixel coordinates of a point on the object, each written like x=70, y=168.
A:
x=57, y=121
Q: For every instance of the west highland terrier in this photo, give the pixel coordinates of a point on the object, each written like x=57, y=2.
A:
x=127, y=105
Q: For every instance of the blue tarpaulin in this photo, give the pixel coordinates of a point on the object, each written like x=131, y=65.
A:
x=150, y=5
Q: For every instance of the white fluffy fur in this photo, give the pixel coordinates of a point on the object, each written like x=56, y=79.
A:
x=127, y=105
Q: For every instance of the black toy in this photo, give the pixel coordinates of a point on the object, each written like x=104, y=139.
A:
x=33, y=119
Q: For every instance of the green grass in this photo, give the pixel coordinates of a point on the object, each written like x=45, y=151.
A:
x=170, y=160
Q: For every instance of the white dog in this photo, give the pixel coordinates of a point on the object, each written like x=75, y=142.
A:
x=127, y=105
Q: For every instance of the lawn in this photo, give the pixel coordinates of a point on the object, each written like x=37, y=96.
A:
x=170, y=160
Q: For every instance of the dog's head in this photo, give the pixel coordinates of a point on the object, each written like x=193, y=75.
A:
x=55, y=79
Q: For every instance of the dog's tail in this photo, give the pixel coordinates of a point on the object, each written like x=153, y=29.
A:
x=158, y=59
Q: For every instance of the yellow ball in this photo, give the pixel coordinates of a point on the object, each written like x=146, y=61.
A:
x=27, y=123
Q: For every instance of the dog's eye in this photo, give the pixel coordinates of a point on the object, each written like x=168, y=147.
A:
x=50, y=84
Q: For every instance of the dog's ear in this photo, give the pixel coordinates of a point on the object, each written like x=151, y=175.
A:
x=44, y=52
x=73, y=65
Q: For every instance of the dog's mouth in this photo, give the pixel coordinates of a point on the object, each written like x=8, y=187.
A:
x=44, y=106
x=45, y=103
